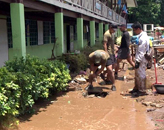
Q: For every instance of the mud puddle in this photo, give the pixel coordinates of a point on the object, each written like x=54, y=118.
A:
x=73, y=111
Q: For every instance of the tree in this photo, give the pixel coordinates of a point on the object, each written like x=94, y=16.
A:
x=162, y=13
x=147, y=12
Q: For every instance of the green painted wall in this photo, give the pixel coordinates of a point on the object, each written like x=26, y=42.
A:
x=41, y=51
x=59, y=33
x=18, y=29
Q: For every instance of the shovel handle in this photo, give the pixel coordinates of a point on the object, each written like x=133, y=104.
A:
x=155, y=70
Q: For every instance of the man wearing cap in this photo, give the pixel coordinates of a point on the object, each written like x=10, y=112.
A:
x=109, y=48
x=96, y=58
x=124, y=51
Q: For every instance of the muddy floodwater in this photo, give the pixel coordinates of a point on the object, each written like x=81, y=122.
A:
x=72, y=111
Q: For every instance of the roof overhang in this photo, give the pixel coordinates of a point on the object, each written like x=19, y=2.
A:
x=131, y=3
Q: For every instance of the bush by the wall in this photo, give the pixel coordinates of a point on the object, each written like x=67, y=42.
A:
x=23, y=81
x=79, y=62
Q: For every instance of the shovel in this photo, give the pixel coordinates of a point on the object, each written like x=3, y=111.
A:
x=158, y=86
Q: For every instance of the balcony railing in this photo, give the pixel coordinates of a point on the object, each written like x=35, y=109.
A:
x=95, y=7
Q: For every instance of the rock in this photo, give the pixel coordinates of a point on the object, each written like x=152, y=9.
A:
x=85, y=94
x=72, y=88
x=153, y=104
x=140, y=99
x=80, y=80
x=147, y=103
x=150, y=109
x=158, y=106
x=124, y=97
x=129, y=77
x=91, y=96
x=122, y=93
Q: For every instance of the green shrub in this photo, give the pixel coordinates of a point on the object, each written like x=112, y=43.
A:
x=23, y=81
x=79, y=62
x=9, y=93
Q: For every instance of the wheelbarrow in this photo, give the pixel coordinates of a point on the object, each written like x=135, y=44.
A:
x=158, y=86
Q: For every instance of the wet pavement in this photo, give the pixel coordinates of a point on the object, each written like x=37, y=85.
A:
x=73, y=111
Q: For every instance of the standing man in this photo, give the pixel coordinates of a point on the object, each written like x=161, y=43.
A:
x=140, y=62
x=109, y=48
x=124, y=51
x=96, y=58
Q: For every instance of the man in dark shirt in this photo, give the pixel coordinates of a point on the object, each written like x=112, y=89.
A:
x=124, y=51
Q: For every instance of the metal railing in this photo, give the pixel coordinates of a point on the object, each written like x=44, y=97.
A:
x=96, y=7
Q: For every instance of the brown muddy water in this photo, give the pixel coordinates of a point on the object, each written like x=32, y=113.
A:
x=73, y=111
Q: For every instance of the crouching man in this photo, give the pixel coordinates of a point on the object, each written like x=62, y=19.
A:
x=96, y=58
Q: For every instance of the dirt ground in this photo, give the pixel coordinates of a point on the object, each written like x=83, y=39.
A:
x=74, y=110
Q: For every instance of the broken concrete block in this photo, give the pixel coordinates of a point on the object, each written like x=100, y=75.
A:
x=153, y=104
x=140, y=99
x=146, y=103
x=129, y=77
x=91, y=96
x=158, y=106
x=150, y=109
x=80, y=80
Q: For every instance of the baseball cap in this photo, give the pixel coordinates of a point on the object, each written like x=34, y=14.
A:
x=123, y=25
x=113, y=26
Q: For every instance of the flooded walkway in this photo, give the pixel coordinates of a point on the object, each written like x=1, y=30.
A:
x=74, y=112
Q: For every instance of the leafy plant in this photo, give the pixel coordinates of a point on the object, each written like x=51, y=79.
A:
x=23, y=81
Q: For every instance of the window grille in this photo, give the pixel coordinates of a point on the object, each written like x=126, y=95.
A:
x=9, y=33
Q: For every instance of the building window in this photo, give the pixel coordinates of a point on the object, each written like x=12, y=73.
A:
x=9, y=33
x=27, y=31
x=52, y=32
x=75, y=32
x=97, y=30
x=48, y=32
x=86, y=32
x=33, y=29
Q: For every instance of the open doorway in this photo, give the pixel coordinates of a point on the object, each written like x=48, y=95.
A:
x=68, y=37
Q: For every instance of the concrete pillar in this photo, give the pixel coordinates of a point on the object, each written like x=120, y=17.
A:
x=59, y=34
x=106, y=27
x=92, y=33
x=18, y=28
x=80, y=44
x=100, y=32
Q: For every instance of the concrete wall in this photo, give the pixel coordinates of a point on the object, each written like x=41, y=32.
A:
x=3, y=42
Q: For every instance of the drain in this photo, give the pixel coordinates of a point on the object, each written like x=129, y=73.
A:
x=98, y=94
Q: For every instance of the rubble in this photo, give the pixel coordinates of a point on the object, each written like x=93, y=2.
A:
x=80, y=80
x=146, y=103
x=150, y=109
x=152, y=104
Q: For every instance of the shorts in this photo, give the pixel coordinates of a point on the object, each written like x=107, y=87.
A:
x=123, y=53
x=111, y=60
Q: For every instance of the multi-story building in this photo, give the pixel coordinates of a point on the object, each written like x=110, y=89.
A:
x=31, y=26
